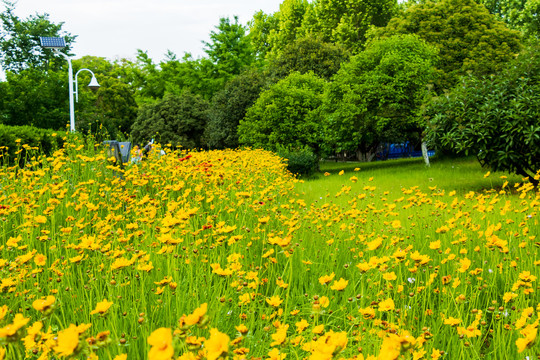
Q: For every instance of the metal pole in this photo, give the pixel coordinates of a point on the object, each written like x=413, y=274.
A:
x=71, y=101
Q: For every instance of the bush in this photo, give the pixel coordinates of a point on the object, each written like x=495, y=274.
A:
x=300, y=161
x=496, y=118
x=13, y=138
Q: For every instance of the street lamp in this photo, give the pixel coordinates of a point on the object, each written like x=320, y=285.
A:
x=56, y=44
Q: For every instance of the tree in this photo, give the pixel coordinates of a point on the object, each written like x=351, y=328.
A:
x=113, y=105
x=31, y=97
x=308, y=54
x=377, y=96
x=229, y=106
x=19, y=41
x=285, y=114
x=346, y=22
x=229, y=53
x=178, y=120
x=260, y=29
x=468, y=37
x=230, y=49
x=523, y=15
x=495, y=118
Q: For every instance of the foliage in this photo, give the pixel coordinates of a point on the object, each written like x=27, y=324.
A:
x=347, y=22
x=32, y=97
x=229, y=48
x=19, y=41
x=469, y=38
x=176, y=120
x=308, y=54
x=285, y=114
x=289, y=25
x=112, y=106
x=377, y=96
x=261, y=28
x=229, y=106
x=521, y=15
x=300, y=161
x=495, y=118
x=36, y=141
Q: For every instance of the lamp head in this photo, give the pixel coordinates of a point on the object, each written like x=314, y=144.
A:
x=93, y=83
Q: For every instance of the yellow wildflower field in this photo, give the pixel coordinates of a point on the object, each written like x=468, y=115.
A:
x=213, y=255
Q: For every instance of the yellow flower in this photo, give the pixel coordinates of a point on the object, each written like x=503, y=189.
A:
x=318, y=329
x=390, y=276
x=340, y=284
x=120, y=357
x=324, y=301
x=18, y=322
x=40, y=259
x=161, y=342
x=101, y=307
x=44, y=304
x=325, y=279
x=197, y=315
x=40, y=219
x=509, y=296
x=68, y=340
x=387, y=305
x=464, y=265
x=280, y=335
x=301, y=325
x=529, y=333
x=216, y=345
x=274, y=301
x=275, y=354
x=452, y=321
x=242, y=329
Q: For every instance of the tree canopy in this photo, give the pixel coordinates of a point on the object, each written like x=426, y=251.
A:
x=285, y=114
x=377, y=96
x=468, y=37
x=19, y=41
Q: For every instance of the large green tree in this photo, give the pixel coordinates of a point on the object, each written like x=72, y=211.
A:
x=377, y=96
x=19, y=41
x=469, y=38
x=176, y=119
x=286, y=115
x=229, y=106
x=496, y=118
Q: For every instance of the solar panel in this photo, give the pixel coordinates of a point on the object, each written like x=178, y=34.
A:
x=52, y=42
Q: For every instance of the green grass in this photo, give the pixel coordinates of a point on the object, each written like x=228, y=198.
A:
x=460, y=174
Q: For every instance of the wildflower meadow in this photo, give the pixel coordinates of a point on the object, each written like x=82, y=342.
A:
x=217, y=255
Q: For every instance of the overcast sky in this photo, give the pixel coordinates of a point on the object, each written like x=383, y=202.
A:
x=117, y=28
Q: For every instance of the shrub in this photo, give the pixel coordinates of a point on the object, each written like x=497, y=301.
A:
x=496, y=118
x=13, y=138
x=300, y=161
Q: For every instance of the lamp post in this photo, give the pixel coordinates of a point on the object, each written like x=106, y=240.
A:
x=58, y=43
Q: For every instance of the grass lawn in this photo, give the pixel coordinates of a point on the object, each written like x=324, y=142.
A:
x=461, y=174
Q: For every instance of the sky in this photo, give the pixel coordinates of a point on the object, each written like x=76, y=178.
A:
x=117, y=28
